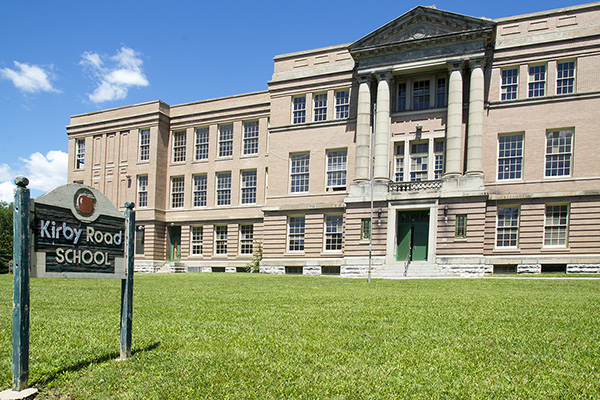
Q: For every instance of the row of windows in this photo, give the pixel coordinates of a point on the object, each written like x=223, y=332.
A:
x=556, y=226
x=558, y=158
x=336, y=170
x=418, y=169
x=422, y=93
x=319, y=109
x=537, y=80
x=333, y=233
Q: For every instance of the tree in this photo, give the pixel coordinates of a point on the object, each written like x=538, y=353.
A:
x=6, y=235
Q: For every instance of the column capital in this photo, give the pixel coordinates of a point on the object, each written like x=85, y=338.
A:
x=387, y=75
x=477, y=63
x=456, y=66
x=363, y=78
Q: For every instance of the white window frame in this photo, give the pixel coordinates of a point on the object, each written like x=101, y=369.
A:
x=299, y=236
x=336, y=171
x=342, y=103
x=142, y=191
x=320, y=107
x=299, y=109
x=220, y=239
x=552, y=228
x=199, y=194
x=518, y=159
x=202, y=137
x=334, y=233
x=248, y=184
x=299, y=172
x=246, y=239
x=80, y=153
x=570, y=77
x=177, y=191
x=225, y=140
x=438, y=158
x=251, y=133
x=564, y=157
x=509, y=84
x=504, y=230
x=399, y=164
x=223, y=188
x=179, y=146
x=537, y=81
x=196, y=240
x=422, y=173
x=144, y=144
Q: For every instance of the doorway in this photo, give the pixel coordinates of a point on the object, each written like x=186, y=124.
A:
x=412, y=236
x=175, y=242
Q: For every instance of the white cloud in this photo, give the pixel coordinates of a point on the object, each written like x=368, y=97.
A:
x=28, y=78
x=44, y=173
x=124, y=72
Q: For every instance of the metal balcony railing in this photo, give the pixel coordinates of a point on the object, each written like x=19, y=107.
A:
x=417, y=186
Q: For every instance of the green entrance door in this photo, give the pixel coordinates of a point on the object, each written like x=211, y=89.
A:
x=413, y=236
x=175, y=236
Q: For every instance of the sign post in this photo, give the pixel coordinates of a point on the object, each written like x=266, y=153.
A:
x=22, y=261
x=127, y=283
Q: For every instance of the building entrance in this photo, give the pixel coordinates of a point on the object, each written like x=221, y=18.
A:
x=175, y=245
x=412, y=236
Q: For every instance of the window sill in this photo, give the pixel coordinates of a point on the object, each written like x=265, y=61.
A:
x=254, y=155
x=557, y=249
x=224, y=158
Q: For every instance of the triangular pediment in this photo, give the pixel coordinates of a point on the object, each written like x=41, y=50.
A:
x=422, y=24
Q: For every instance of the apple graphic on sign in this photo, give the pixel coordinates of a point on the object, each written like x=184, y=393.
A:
x=85, y=204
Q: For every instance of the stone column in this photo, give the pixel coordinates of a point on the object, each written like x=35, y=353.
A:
x=382, y=129
x=475, y=127
x=454, y=122
x=363, y=131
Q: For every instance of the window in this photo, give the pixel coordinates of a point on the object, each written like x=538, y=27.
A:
x=419, y=155
x=342, y=104
x=440, y=99
x=365, y=229
x=144, y=144
x=336, y=169
x=196, y=234
x=299, y=112
x=558, y=152
x=420, y=95
x=509, y=86
x=399, y=162
x=142, y=195
x=537, y=80
x=251, y=137
x=199, y=190
x=177, y=191
x=299, y=172
x=223, y=188
x=80, y=153
x=320, y=106
x=220, y=239
x=139, y=239
x=226, y=140
x=201, y=143
x=246, y=238
x=249, y=187
x=460, y=229
x=296, y=233
x=565, y=77
x=438, y=153
x=402, y=96
x=510, y=156
x=179, y=146
x=556, y=225
x=507, y=228
x=333, y=232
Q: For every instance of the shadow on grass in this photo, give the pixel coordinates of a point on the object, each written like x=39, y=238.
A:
x=86, y=363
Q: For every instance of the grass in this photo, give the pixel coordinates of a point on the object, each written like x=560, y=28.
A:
x=250, y=336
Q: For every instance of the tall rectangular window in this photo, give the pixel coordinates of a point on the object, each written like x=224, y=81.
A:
x=296, y=233
x=246, y=238
x=365, y=229
x=226, y=140
x=196, y=242
x=139, y=239
x=510, y=156
x=299, y=111
x=399, y=162
x=440, y=99
x=336, y=169
x=299, y=172
x=251, y=137
x=320, y=101
x=249, y=187
x=556, y=225
x=144, y=144
x=402, y=96
x=460, y=229
x=565, y=77
x=142, y=190
x=220, y=239
x=179, y=140
x=419, y=158
x=79, y=153
x=438, y=152
x=537, y=80
x=421, y=95
x=223, y=188
x=177, y=191
x=507, y=227
x=342, y=104
x=199, y=190
x=201, y=143
x=559, y=152
x=509, y=86
x=333, y=232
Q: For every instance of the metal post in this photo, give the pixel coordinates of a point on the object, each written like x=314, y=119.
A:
x=372, y=177
x=22, y=263
x=127, y=283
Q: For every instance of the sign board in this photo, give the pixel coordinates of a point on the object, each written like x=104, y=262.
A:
x=77, y=233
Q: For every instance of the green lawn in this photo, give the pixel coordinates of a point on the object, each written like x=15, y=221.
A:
x=251, y=336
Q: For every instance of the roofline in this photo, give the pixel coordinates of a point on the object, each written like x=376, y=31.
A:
x=548, y=12
x=311, y=52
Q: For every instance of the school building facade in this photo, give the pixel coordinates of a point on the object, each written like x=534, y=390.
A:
x=470, y=142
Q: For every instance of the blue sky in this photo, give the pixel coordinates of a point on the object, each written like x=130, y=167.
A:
x=61, y=58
